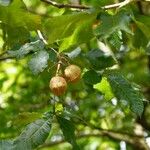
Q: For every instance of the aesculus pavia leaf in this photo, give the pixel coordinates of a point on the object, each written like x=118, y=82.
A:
x=38, y=62
x=26, y=49
x=91, y=77
x=6, y=144
x=68, y=130
x=33, y=135
x=112, y=23
x=99, y=60
x=124, y=90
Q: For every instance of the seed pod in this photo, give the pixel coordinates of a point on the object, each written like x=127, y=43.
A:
x=58, y=85
x=72, y=73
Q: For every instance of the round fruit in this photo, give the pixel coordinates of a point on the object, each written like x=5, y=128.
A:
x=58, y=85
x=72, y=73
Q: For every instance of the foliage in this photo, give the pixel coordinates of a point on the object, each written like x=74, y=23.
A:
x=107, y=107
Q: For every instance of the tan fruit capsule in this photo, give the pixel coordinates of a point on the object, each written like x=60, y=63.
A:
x=58, y=85
x=72, y=73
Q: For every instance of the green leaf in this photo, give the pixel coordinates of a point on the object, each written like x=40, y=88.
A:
x=115, y=40
x=63, y=26
x=143, y=28
x=82, y=34
x=99, y=60
x=33, y=135
x=5, y=2
x=139, y=42
x=123, y=90
x=112, y=23
x=105, y=88
x=91, y=77
x=68, y=130
x=18, y=22
x=38, y=62
x=75, y=53
x=148, y=49
x=15, y=15
x=16, y=35
x=25, y=118
x=6, y=144
x=27, y=48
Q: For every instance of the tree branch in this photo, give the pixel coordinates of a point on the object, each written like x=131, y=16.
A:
x=58, y=5
x=116, y=5
x=134, y=141
x=119, y=5
x=6, y=58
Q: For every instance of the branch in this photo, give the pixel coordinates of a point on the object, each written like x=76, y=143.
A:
x=58, y=5
x=6, y=58
x=119, y=5
x=115, y=136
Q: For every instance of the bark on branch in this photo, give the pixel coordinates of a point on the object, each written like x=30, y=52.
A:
x=137, y=142
x=60, y=5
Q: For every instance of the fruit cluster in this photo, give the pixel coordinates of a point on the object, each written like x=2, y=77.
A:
x=58, y=84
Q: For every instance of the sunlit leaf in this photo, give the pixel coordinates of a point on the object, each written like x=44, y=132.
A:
x=82, y=34
x=105, y=88
x=59, y=27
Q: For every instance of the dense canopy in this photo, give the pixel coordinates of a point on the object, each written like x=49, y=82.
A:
x=98, y=54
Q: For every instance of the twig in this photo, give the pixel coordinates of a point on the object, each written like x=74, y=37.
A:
x=44, y=41
x=5, y=58
x=116, y=5
x=58, y=68
x=119, y=5
x=58, y=5
x=41, y=37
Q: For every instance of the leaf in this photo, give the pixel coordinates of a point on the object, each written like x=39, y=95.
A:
x=82, y=34
x=33, y=135
x=6, y=144
x=5, y=2
x=123, y=90
x=15, y=15
x=112, y=23
x=148, y=49
x=105, y=88
x=73, y=54
x=91, y=77
x=38, y=62
x=18, y=22
x=63, y=26
x=68, y=130
x=139, y=42
x=99, y=60
x=115, y=40
x=143, y=28
x=27, y=48
x=25, y=118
